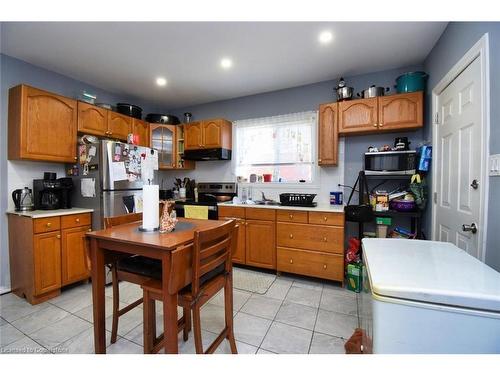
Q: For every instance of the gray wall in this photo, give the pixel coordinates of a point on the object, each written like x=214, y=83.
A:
x=16, y=174
x=456, y=40
x=304, y=98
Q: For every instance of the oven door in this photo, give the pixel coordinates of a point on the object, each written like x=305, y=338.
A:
x=212, y=210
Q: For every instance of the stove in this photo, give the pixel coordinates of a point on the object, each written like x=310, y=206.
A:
x=209, y=194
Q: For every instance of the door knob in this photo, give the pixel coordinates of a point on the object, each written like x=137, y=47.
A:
x=474, y=184
x=469, y=228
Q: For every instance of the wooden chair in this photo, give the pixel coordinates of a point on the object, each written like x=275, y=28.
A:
x=211, y=271
x=134, y=269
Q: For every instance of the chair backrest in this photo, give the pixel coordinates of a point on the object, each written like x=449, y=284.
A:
x=211, y=248
x=122, y=219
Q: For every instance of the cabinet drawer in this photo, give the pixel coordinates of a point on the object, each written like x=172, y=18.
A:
x=326, y=218
x=311, y=263
x=225, y=211
x=292, y=216
x=78, y=220
x=311, y=237
x=47, y=224
x=260, y=214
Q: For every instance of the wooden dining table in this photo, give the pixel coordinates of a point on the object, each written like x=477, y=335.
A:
x=172, y=249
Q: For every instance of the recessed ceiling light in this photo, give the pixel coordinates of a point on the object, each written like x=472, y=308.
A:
x=160, y=81
x=226, y=63
x=325, y=37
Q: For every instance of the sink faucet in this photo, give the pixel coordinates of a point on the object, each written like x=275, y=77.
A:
x=264, y=197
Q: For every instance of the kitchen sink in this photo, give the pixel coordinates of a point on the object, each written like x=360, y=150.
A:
x=267, y=203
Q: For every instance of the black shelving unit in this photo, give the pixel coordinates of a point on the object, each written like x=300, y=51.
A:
x=415, y=216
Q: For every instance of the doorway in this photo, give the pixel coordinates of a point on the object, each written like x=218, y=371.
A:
x=460, y=144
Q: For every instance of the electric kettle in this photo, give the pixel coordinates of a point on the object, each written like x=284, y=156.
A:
x=23, y=199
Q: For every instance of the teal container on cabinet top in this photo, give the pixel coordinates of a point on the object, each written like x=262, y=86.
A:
x=411, y=82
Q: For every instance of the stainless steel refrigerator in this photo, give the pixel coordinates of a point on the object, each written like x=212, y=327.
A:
x=109, y=176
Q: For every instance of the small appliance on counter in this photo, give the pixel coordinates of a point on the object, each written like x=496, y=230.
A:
x=390, y=163
x=51, y=193
x=23, y=199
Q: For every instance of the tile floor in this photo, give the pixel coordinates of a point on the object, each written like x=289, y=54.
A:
x=296, y=315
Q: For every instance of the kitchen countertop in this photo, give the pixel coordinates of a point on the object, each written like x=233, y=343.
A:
x=50, y=213
x=321, y=207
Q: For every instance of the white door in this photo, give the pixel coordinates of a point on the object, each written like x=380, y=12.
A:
x=458, y=159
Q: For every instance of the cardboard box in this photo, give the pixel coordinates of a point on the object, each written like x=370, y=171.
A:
x=354, y=277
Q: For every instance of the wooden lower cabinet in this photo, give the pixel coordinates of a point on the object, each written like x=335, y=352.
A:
x=74, y=255
x=261, y=243
x=311, y=263
x=239, y=255
x=324, y=238
x=46, y=254
x=47, y=262
x=309, y=243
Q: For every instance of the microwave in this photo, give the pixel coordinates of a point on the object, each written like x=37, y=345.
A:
x=391, y=163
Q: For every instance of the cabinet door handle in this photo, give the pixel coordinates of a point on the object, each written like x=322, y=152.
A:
x=291, y=235
x=375, y=125
x=324, y=266
x=291, y=261
x=290, y=216
x=380, y=125
x=77, y=220
x=325, y=218
x=58, y=236
x=89, y=230
x=48, y=225
x=75, y=157
x=325, y=239
x=319, y=160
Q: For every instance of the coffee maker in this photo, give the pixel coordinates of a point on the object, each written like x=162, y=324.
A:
x=51, y=193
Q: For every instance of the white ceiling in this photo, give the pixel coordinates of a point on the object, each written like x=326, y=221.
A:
x=126, y=57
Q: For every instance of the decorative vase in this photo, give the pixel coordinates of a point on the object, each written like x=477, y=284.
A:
x=168, y=217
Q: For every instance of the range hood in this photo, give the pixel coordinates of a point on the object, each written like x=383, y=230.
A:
x=207, y=154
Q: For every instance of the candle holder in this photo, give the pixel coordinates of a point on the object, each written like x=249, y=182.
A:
x=168, y=218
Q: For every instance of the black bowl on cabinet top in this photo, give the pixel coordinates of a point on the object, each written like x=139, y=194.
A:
x=159, y=118
x=129, y=110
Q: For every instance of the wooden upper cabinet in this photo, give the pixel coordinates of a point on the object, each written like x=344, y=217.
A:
x=358, y=116
x=47, y=262
x=141, y=128
x=42, y=125
x=119, y=125
x=193, y=138
x=212, y=134
x=216, y=133
x=92, y=119
x=74, y=255
x=401, y=111
x=328, y=136
x=261, y=243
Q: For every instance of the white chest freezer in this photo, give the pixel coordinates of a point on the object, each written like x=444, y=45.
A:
x=427, y=297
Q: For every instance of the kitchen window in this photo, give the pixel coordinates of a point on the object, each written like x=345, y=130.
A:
x=282, y=146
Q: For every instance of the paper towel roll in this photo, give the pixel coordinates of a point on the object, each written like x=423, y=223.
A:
x=150, y=207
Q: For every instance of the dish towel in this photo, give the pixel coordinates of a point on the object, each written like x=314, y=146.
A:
x=196, y=212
